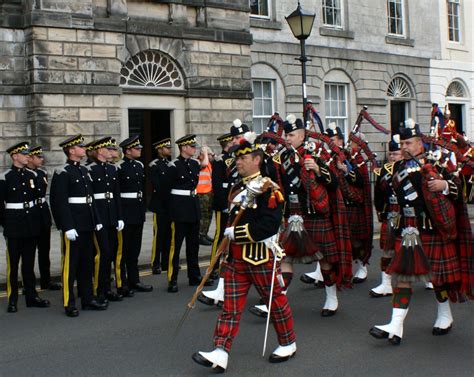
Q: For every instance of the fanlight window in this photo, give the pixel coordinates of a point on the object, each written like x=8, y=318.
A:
x=151, y=69
x=399, y=88
x=455, y=89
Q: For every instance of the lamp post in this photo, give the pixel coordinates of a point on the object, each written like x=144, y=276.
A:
x=301, y=23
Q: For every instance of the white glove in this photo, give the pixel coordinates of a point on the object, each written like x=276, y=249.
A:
x=71, y=234
x=98, y=227
x=120, y=225
x=229, y=233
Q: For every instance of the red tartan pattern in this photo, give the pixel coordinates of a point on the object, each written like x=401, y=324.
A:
x=321, y=232
x=343, y=260
x=361, y=218
x=383, y=234
x=442, y=257
x=238, y=278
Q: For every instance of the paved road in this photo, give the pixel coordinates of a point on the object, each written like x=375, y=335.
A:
x=134, y=337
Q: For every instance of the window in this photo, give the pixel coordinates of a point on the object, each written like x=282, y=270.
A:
x=453, y=20
x=263, y=104
x=335, y=101
x=259, y=8
x=395, y=17
x=332, y=13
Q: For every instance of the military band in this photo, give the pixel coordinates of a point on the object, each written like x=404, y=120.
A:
x=289, y=196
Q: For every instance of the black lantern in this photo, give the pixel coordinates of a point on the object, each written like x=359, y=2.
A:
x=301, y=23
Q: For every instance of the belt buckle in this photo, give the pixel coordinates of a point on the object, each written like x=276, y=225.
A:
x=39, y=201
x=409, y=212
x=139, y=194
x=107, y=195
x=193, y=193
x=293, y=198
x=392, y=200
x=89, y=199
x=26, y=205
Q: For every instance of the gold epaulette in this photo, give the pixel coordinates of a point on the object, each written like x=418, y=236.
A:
x=229, y=161
x=377, y=171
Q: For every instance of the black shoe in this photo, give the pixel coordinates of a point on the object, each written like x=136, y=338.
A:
x=12, y=307
x=381, y=334
x=112, y=296
x=328, y=312
x=207, y=301
x=206, y=363
x=173, y=287
x=51, y=286
x=196, y=282
x=258, y=312
x=280, y=359
x=126, y=292
x=93, y=305
x=103, y=300
x=319, y=284
x=156, y=271
x=204, y=241
x=358, y=280
x=210, y=239
x=307, y=280
x=71, y=311
x=140, y=287
x=37, y=302
x=439, y=331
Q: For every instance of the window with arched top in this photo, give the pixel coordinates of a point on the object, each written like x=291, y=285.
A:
x=399, y=88
x=456, y=89
x=152, y=70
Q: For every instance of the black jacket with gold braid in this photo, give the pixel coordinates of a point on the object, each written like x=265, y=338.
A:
x=256, y=224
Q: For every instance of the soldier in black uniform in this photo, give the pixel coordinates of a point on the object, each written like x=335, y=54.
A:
x=159, y=205
x=20, y=218
x=186, y=215
x=106, y=188
x=75, y=214
x=132, y=178
x=44, y=241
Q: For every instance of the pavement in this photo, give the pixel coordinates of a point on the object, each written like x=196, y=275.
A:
x=137, y=337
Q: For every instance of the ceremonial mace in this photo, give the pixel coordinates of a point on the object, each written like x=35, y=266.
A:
x=254, y=188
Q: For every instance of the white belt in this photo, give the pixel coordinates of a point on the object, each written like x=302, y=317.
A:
x=40, y=200
x=225, y=185
x=24, y=205
x=79, y=200
x=183, y=192
x=104, y=195
x=131, y=195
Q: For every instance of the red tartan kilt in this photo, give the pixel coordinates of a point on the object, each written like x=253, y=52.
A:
x=442, y=258
x=358, y=223
x=322, y=233
x=383, y=234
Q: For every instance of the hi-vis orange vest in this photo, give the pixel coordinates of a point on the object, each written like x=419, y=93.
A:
x=204, y=185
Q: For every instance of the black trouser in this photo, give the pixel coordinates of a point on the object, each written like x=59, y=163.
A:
x=24, y=249
x=131, y=246
x=106, y=253
x=161, y=241
x=221, y=224
x=78, y=263
x=44, y=264
x=180, y=231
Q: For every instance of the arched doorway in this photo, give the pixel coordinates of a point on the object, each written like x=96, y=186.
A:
x=400, y=96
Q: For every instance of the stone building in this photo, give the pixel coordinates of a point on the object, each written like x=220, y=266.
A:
x=167, y=67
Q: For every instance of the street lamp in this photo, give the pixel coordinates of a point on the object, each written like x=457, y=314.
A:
x=301, y=23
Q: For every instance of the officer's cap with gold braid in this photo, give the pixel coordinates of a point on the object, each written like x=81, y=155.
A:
x=238, y=128
x=410, y=129
x=164, y=143
x=292, y=124
x=73, y=141
x=224, y=138
x=189, y=139
x=37, y=151
x=22, y=148
x=105, y=142
x=246, y=145
x=114, y=144
x=131, y=142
